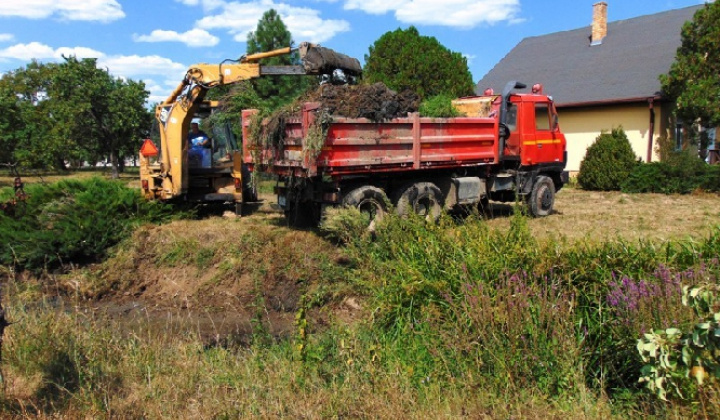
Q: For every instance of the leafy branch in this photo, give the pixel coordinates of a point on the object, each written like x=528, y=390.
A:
x=674, y=358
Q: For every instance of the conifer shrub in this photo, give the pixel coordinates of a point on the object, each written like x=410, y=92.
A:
x=607, y=162
x=72, y=222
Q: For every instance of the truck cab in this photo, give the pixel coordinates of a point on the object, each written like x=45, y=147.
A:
x=534, y=136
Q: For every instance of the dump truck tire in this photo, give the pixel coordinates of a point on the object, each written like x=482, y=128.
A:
x=369, y=200
x=422, y=198
x=542, y=198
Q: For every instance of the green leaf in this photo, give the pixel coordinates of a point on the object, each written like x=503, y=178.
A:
x=673, y=331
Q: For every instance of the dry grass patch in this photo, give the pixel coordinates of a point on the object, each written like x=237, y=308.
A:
x=602, y=216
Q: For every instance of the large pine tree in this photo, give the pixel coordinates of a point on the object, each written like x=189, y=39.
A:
x=271, y=34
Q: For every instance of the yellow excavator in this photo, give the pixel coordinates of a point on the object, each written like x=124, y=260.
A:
x=177, y=171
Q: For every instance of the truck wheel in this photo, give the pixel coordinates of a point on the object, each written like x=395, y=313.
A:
x=370, y=200
x=542, y=197
x=421, y=198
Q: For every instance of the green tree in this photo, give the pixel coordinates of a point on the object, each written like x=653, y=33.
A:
x=403, y=59
x=10, y=123
x=30, y=129
x=271, y=34
x=694, y=78
x=103, y=115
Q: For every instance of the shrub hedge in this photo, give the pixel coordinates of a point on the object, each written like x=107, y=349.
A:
x=607, y=162
x=71, y=221
x=682, y=173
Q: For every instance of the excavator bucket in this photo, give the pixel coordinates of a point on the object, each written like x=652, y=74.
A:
x=321, y=60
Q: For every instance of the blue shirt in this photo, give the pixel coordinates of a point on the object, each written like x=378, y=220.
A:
x=197, y=139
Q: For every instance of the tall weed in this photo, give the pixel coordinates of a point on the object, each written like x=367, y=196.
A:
x=454, y=300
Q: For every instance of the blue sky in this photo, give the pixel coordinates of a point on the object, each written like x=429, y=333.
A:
x=156, y=40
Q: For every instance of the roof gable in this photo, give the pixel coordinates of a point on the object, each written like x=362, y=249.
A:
x=625, y=67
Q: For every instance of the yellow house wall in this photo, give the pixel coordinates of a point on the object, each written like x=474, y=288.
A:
x=583, y=125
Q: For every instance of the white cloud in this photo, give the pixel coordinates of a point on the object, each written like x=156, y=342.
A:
x=142, y=68
x=191, y=38
x=38, y=51
x=132, y=66
x=6, y=37
x=135, y=65
x=375, y=7
x=118, y=65
x=206, y=4
x=79, y=52
x=87, y=10
x=304, y=24
x=453, y=13
x=26, y=52
x=158, y=93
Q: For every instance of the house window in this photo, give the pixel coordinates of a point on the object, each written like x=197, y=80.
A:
x=678, y=135
x=712, y=138
x=542, y=117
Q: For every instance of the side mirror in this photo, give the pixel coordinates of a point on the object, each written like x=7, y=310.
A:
x=555, y=122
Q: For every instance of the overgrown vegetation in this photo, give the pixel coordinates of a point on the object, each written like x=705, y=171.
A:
x=439, y=106
x=458, y=319
x=679, y=363
x=72, y=221
x=607, y=162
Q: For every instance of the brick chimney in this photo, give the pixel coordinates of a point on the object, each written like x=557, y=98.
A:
x=599, y=23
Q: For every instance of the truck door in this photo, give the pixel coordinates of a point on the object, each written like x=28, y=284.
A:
x=512, y=144
x=541, y=145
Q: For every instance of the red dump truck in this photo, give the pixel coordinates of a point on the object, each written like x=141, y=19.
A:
x=508, y=147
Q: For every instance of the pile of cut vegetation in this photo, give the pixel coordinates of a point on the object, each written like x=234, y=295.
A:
x=376, y=101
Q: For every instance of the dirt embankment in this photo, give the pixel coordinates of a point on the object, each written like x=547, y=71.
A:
x=224, y=277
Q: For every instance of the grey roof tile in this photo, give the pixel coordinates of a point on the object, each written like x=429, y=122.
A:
x=625, y=67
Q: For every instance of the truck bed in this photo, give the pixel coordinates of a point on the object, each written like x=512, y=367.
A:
x=357, y=146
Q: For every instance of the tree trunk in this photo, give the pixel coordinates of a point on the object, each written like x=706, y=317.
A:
x=114, y=163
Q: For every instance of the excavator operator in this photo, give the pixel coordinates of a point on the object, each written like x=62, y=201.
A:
x=197, y=137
